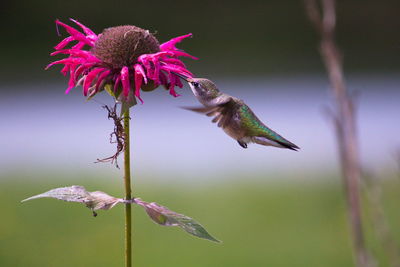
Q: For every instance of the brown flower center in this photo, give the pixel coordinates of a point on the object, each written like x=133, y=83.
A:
x=122, y=45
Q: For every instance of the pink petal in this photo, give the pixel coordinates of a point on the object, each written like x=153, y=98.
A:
x=170, y=45
x=178, y=81
x=139, y=69
x=82, y=68
x=177, y=69
x=89, y=33
x=126, y=84
x=149, y=69
x=85, y=29
x=117, y=82
x=63, y=51
x=89, y=79
x=71, y=82
x=174, y=61
x=64, y=43
x=172, y=79
x=163, y=79
x=79, y=45
x=162, y=54
x=78, y=53
x=79, y=71
x=76, y=34
x=101, y=79
x=172, y=90
x=183, y=54
x=139, y=75
x=156, y=73
x=65, y=70
x=145, y=60
x=70, y=61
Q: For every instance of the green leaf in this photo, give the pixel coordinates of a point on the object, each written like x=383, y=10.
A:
x=166, y=217
x=93, y=200
x=109, y=89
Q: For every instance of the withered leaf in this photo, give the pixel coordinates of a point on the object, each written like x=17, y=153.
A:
x=166, y=217
x=76, y=193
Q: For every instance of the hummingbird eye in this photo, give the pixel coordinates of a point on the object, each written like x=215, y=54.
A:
x=195, y=84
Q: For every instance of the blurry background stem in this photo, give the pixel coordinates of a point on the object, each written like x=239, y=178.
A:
x=127, y=182
x=344, y=121
x=374, y=191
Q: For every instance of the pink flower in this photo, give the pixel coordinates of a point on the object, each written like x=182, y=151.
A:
x=125, y=57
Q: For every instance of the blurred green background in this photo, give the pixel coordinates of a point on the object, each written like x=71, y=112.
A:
x=261, y=224
x=297, y=223
x=270, y=207
x=230, y=37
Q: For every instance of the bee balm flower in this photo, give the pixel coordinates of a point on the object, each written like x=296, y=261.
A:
x=126, y=57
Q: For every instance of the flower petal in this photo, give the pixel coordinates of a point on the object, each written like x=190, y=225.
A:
x=183, y=54
x=172, y=83
x=71, y=82
x=178, y=81
x=89, y=79
x=174, y=61
x=85, y=29
x=76, y=34
x=170, y=45
x=117, y=82
x=89, y=33
x=64, y=43
x=79, y=71
x=177, y=69
x=156, y=71
x=126, y=84
x=163, y=79
x=138, y=68
x=65, y=70
x=78, y=53
x=101, y=79
x=69, y=61
x=145, y=61
x=79, y=45
x=139, y=76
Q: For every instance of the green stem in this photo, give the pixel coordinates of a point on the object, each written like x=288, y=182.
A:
x=127, y=182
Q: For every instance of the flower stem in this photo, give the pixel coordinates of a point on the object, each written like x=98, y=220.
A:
x=127, y=182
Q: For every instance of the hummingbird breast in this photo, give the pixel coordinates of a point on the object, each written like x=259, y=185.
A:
x=235, y=131
x=232, y=122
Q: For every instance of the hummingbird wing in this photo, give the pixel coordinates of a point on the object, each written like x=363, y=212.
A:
x=222, y=113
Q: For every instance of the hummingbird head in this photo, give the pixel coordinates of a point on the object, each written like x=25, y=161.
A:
x=203, y=89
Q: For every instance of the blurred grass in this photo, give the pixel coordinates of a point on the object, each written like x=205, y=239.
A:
x=301, y=223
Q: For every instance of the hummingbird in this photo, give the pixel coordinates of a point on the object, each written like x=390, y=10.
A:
x=234, y=116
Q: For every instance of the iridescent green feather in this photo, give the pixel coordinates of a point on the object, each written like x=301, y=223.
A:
x=255, y=127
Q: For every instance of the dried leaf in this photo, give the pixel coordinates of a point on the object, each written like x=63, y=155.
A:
x=73, y=193
x=100, y=200
x=166, y=217
x=93, y=200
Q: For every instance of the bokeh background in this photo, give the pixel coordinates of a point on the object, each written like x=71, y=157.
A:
x=271, y=207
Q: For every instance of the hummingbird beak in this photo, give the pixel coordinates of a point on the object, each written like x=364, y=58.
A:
x=181, y=76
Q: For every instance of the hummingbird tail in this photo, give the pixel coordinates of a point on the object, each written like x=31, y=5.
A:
x=288, y=145
x=277, y=142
